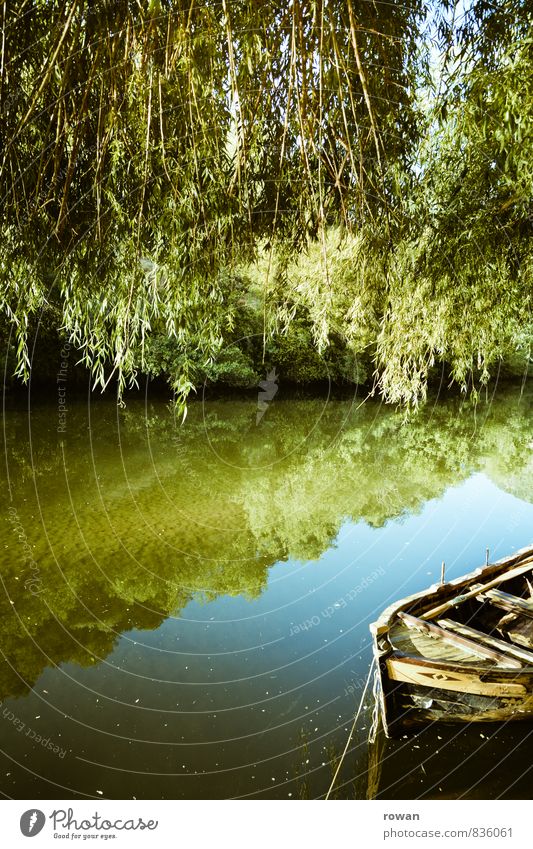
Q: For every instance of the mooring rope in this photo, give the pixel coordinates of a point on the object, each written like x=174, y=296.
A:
x=350, y=735
x=376, y=692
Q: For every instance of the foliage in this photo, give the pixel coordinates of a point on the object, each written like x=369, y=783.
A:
x=163, y=163
x=460, y=288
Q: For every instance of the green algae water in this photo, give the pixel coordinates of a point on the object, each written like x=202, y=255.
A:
x=185, y=608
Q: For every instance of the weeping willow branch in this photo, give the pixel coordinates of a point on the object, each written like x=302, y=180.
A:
x=151, y=149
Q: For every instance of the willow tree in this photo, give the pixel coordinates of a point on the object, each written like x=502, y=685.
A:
x=461, y=278
x=150, y=149
x=451, y=294
x=146, y=146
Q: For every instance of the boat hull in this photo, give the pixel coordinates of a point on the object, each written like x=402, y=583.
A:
x=421, y=693
x=417, y=689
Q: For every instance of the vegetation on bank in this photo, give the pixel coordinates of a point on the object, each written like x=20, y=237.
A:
x=336, y=189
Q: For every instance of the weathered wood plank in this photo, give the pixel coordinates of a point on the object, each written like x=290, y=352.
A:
x=469, y=700
x=444, y=705
x=449, y=706
x=520, y=604
x=438, y=592
x=403, y=669
x=498, y=600
x=525, y=567
x=520, y=631
x=455, y=639
x=415, y=643
x=487, y=639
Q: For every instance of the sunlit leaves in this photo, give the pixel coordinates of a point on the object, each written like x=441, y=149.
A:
x=151, y=152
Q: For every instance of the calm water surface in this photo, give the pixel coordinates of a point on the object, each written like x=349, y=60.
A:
x=185, y=610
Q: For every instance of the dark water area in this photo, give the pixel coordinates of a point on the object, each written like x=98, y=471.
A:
x=184, y=610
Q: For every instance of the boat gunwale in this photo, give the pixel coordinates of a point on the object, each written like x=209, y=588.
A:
x=443, y=591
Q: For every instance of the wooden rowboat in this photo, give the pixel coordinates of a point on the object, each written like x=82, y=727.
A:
x=460, y=651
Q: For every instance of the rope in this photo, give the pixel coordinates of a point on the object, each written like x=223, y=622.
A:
x=376, y=692
x=351, y=730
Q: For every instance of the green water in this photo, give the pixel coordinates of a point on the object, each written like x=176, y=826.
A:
x=184, y=611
